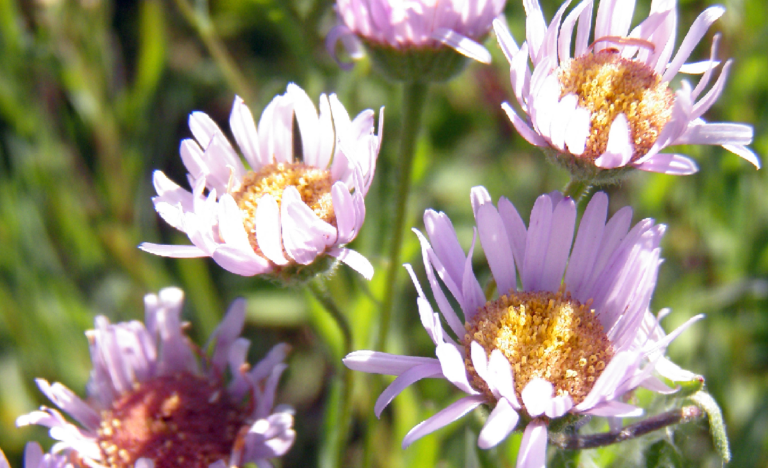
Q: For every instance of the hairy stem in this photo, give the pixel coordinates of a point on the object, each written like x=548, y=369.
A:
x=576, y=189
x=669, y=418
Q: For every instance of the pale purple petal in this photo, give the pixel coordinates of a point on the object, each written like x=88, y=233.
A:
x=613, y=18
x=414, y=374
x=500, y=423
x=462, y=44
x=717, y=134
x=376, y=362
x=174, y=251
x=744, y=153
x=566, y=109
x=615, y=409
x=566, y=31
x=472, y=293
x=240, y=262
x=533, y=447
x=500, y=371
x=454, y=370
x=619, y=149
x=443, y=418
x=516, y=230
x=73, y=405
x=522, y=127
x=559, y=406
x=442, y=301
x=244, y=130
x=226, y=333
x=587, y=243
x=666, y=163
x=537, y=241
x=506, y=41
x=583, y=30
x=305, y=235
x=695, y=33
x=347, y=38
x=354, y=260
x=496, y=246
x=343, y=207
x=268, y=232
x=537, y=396
x=560, y=239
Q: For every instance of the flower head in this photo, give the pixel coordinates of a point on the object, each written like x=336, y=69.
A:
x=153, y=402
x=302, y=199
x=406, y=37
x=574, y=339
x=609, y=107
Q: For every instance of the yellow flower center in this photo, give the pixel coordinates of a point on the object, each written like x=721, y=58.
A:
x=314, y=186
x=542, y=334
x=176, y=420
x=608, y=85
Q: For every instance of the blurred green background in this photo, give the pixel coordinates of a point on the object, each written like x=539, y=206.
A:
x=95, y=94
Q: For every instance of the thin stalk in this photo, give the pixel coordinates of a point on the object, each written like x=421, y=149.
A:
x=345, y=397
x=576, y=189
x=669, y=418
x=414, y=98
x=203, y=25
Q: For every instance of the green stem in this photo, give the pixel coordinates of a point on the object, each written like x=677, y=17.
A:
x=414, y=98
x=669, y=418
x=320, y=293
x=576, y=189
x=203, y=25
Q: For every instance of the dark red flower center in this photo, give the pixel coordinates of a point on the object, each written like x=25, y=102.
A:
x=175, y=420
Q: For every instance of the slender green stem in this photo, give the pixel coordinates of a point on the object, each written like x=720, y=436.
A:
x=576, y=189
x=414, y=98
x=203, y=25
x=345, y=397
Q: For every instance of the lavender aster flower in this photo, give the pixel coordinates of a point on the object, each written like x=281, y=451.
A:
x=415, y=25
x=608, y=106
x=35, y=458
x=297, y=205
x=153, y=402
x=573, y=340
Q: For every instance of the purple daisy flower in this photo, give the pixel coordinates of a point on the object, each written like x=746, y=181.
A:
x=609, y=106
x=294, y=207
x=575, y=338
x=155, y=399
x=415, y=24
x=35, y=458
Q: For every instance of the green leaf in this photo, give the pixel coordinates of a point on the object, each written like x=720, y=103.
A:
x=662, y=454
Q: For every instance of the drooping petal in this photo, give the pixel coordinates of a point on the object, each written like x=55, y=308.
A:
x=500, y=423
x=443, y=418
x=533, y=447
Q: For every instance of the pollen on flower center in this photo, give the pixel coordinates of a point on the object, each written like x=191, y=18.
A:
x=542, y=334
x=175, y=420
x=314, y=186
x=607, y=85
